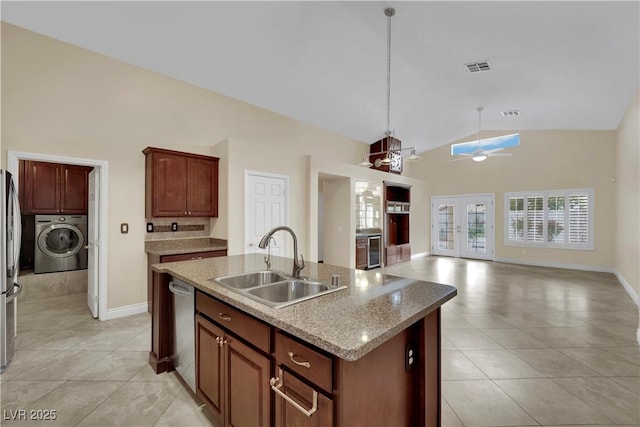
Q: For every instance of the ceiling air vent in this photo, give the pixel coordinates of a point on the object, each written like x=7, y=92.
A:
x=475, y=67
x=511, y=113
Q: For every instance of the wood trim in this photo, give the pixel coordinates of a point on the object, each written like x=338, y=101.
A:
x=429, y=362
x=179, y=153
x=161, y=324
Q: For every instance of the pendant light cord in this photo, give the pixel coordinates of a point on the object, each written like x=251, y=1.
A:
x=389, y=12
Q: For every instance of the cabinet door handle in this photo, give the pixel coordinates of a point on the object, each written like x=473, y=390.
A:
x=292, y=356
x=221, y=341
x=225, y=317
x=276, y=385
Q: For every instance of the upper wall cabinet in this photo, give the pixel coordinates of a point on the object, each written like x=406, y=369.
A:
x=53, y=188
x=180, y=184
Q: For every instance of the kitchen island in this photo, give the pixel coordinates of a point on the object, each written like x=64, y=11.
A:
x=365, y=355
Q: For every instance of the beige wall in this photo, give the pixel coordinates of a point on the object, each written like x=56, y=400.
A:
x=545, y=160
x=63, y=100
x=627, y=255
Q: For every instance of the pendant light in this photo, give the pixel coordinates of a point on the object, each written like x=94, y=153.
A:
x=388, y=12
x=389, y=135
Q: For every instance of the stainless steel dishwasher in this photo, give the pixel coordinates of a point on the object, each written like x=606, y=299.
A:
x=184, y=331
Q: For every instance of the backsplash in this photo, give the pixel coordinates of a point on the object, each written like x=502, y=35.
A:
x=187, y=227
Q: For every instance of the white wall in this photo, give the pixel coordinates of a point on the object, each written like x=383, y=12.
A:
x=627, y=251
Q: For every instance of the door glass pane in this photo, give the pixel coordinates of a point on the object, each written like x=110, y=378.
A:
x=446, y=225
x=476, y=227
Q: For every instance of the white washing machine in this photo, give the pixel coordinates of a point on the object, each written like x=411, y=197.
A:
x=61, y=242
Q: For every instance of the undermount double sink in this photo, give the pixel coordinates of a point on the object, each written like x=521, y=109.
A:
x=274, y=288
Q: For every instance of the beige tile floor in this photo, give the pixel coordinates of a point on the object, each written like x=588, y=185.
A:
x=534, y=346
x=521, y=345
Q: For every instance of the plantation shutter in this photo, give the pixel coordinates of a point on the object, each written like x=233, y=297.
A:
x=579, y=219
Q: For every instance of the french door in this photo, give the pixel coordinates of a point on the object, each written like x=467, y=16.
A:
x=463, y=226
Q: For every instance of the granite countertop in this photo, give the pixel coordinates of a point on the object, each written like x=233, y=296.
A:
x=348, y=323
x=184, y=246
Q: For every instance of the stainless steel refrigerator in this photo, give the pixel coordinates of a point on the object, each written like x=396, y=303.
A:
x=10, y=235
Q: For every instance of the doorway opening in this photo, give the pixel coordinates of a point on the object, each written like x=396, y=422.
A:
x=463, y=226
x=97, y=222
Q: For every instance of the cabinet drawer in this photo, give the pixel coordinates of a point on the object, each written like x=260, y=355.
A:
x=305, y=361
x=192, y=256
x=243, y=325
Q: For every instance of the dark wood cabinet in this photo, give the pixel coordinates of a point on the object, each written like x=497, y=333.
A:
x=362, y=248
x=232, y=377
x=53, y=188
x=209, y=360
x=180, y=184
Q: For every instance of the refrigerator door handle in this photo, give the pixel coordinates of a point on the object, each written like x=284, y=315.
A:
x=12, y=295
x=17, y=227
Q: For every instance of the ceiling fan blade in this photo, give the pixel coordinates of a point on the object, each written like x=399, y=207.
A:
x=499, y=154
x=461, y=158
x=493, y=150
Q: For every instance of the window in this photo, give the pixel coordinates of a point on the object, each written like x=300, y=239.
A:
x=558, y=218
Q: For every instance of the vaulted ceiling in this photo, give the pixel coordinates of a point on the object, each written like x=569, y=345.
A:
x=564, y=65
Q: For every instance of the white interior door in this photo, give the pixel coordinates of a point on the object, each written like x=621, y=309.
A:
x=266, y=207
x=463, y=226
x=92, y=241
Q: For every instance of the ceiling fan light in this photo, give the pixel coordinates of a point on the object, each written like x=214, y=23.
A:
x=479, y=158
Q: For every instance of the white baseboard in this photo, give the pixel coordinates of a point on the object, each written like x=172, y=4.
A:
x=632, y=292
x=569, y=266
x=127, y=310
x=420, y=255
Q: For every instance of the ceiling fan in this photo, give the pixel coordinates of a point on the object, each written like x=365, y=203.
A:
x=481, y=149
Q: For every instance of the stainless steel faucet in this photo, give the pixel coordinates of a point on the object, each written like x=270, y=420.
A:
x=297, y=265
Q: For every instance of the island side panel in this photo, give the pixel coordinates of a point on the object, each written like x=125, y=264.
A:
x=377, y=389
x=161, y=324
x=430, y=371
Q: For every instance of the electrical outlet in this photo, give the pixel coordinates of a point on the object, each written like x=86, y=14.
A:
x=149, y=227
x=174, y=226
x=410, y=357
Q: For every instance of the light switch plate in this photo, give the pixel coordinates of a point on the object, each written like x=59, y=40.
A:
x=149, y=227
x=124, y=228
